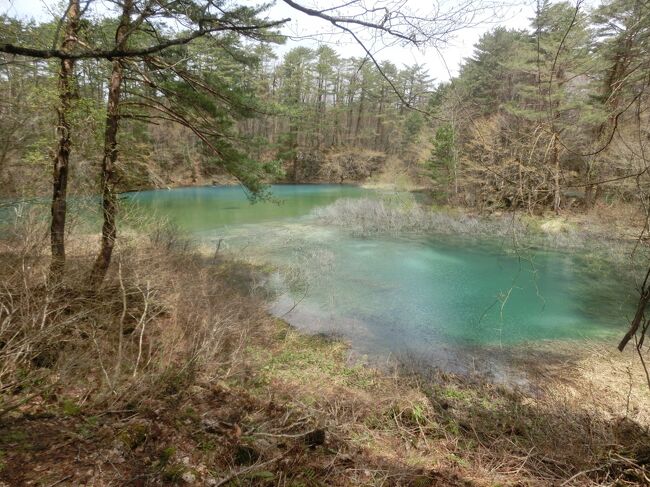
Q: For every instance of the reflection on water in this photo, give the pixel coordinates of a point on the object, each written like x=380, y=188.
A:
x=209, y=207
x=436, y=297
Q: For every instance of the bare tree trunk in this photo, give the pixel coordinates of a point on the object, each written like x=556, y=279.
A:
x=320, y=108
x=589, y=196
x=379, y=131
x=360, y=114
x=109, y=200
x=109, y=161
x=557, y=195
x=62, y=157
x=293, y=135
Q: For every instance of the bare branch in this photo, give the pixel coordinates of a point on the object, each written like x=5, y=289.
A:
x=117, y=53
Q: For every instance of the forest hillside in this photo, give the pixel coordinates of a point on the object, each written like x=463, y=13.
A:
x=548, y=117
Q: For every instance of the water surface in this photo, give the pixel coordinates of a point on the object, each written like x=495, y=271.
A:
x=214, y=207
x=437, y=297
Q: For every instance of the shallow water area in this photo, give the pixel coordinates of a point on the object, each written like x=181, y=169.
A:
x=453, y=302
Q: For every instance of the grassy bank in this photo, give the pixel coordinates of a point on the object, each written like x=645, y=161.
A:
x=174, y=373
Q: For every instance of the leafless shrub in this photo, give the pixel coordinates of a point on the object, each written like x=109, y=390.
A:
x=367, y=217
x=163, y=316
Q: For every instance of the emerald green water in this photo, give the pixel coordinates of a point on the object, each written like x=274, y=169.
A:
x=431, y=296
x=214, y=207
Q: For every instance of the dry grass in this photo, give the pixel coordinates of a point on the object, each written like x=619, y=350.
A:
x=161, y=311
x=150, y=380
x=577, y=427
x=401, y=214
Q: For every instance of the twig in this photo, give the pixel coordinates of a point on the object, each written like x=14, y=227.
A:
x=246, y=470
x=639, y=315
x=142, y=324
x=101, y=363
x=216, y=252
x=118, y=364
x=638, y=349
x=60, y=481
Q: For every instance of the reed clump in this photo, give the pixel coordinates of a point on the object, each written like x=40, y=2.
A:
x=517, y=232
x=370, y=216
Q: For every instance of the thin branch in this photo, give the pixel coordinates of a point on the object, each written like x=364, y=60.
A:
x=116, y=53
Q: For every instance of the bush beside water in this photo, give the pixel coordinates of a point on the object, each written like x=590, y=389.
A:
x=365, y=217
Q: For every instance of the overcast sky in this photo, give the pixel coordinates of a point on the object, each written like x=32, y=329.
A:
x=302, y=27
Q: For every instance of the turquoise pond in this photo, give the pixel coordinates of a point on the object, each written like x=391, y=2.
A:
x=435, y=297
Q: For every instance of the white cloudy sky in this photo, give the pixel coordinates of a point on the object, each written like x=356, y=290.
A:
x=302, y=27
